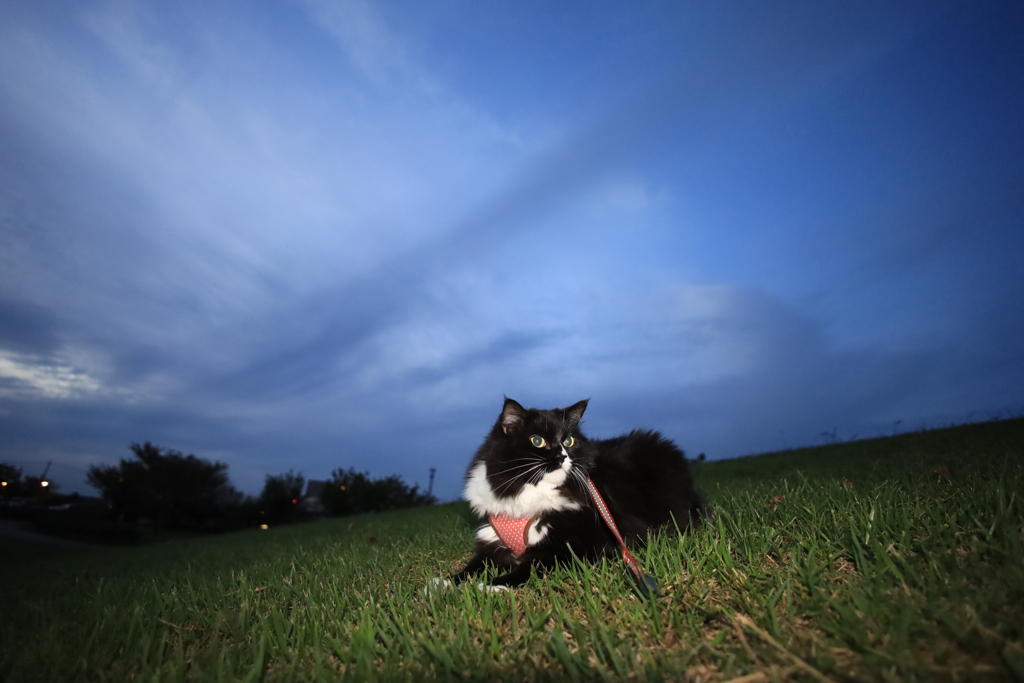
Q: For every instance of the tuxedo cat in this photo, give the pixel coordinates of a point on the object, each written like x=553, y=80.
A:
x=529, y=482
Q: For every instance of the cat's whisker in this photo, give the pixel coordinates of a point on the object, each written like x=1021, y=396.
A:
x=539, y=474
x=522, y=474
x=532, y=462
x=513, y=480
x=575, y=473
x=579, y=476
x=519, y=467
x=529, y=466
x=519, y=476
x=532, y=458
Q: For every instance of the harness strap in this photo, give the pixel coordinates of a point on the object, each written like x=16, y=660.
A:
x=648, y=586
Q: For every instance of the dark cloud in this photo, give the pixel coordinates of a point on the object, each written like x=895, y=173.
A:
x=27, y=328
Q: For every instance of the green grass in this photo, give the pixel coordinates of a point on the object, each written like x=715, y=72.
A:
x=889, y=559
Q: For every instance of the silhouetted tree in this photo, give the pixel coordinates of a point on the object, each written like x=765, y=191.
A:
x=350, y=492
x=174, y=490
x=345, y=492
x=280, y=498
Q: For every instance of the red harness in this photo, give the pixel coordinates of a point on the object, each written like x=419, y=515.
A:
x=514, y=532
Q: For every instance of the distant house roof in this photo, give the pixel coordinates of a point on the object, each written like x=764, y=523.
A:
x=314, y=488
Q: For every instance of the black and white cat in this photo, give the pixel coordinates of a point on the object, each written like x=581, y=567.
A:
x=529, y=482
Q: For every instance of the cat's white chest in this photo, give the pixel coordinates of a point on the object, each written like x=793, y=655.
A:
x=532, y=500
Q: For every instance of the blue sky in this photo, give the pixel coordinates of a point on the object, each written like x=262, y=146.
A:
x=324, y=234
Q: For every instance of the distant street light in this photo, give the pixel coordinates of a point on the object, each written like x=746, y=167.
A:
x=44, y=484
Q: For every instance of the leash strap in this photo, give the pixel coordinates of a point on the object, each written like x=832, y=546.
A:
x=648, y=586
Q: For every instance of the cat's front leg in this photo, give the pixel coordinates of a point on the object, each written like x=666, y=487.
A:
x=472, y=568
x=497, y=555
x=519, y=575
x=542, y=556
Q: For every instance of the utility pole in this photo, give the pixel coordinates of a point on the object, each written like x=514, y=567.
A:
x=430, y=488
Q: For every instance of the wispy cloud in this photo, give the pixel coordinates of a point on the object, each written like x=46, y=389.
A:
x=25, y=378
x=364, y=36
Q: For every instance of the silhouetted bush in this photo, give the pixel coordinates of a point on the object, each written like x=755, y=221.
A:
x=281, y=495
x=173, y=490
x=350, y=492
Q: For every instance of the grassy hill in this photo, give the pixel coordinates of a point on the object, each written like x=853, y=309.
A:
x=890, y=559
x=906, y=456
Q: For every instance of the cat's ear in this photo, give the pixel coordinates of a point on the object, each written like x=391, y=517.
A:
x=513, y=416
x=575, y=412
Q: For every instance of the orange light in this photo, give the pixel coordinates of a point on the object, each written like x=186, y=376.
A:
x=5, y=483
x=342, y=488
x=263, y=526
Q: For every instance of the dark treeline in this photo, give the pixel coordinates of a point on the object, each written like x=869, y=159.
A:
x=350, y=492
x=173, y=490
x=167, y=490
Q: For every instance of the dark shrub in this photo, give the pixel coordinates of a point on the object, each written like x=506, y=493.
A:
x=350, y=492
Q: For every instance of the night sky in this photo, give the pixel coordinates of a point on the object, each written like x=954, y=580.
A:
x=321, y=234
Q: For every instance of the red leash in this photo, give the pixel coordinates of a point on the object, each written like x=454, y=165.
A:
x=648, y=586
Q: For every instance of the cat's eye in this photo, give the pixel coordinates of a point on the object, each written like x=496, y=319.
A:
x=537, y=441
x=568, y=441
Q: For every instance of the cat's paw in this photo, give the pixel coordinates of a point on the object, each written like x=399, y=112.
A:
x=484, y=588
x=435, y=585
